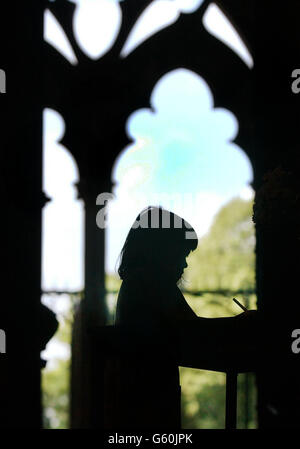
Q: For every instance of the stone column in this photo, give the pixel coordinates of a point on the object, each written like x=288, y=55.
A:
x=87, y=363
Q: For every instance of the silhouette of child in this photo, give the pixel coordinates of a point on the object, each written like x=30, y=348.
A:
x=151, y=306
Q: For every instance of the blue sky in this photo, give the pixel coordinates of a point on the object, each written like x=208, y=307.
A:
x=184, y=137
x=182, y=158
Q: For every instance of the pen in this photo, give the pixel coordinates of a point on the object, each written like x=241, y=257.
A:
x=239, y=304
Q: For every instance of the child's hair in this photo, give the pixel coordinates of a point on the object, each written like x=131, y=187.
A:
x=156, y=237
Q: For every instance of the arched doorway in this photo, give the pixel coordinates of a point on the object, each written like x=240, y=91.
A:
x=182, y=157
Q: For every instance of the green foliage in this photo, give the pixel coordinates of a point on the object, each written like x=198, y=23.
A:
x=56, y=377
x=224, y=260
x=113, y=284
x=55, y=387
x=203, y=399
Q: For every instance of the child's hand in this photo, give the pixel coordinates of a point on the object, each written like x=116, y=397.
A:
x=250, y=321
x=250, y=313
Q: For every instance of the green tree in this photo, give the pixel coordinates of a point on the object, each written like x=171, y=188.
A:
x=224, y=261
x=56, y=376
x=225, y=257
x=55, y=387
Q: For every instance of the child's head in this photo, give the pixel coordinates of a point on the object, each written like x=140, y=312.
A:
x=158, y=243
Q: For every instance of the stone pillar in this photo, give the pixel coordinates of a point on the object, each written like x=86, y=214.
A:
x=87, y=366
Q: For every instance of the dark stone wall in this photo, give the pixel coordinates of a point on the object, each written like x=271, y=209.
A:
x=21, y=197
